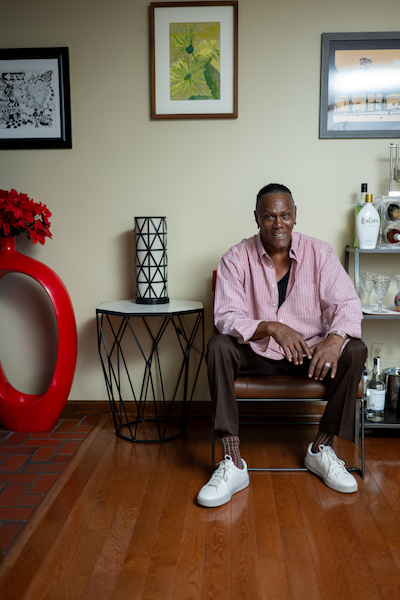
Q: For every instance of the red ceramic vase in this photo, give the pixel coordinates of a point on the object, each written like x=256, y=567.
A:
x=38, y=412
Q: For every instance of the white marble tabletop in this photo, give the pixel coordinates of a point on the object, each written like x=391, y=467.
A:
x=131, y=307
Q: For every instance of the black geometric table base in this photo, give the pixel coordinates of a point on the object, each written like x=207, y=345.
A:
x=127, y=332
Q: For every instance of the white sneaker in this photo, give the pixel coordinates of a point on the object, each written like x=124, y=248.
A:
x=224, y=482
x=331, y=469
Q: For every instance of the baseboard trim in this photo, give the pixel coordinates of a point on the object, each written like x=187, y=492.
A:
x=289, y=409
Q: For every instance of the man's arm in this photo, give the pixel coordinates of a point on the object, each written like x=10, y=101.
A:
x=291, y=342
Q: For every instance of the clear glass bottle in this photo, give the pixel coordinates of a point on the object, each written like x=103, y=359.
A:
x=393, y=211
x=392, y=235
x=376, y=390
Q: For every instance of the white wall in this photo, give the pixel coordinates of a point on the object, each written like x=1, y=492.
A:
x=202, y=175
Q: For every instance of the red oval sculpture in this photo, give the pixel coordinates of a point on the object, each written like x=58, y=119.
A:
x=38, y=412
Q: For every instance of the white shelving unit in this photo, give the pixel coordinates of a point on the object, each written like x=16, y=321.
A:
x=391, y=421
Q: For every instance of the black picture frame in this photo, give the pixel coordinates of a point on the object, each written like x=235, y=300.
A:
x=360, y=85
x=35, y=102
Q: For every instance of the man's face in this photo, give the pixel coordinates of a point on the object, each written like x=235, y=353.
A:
x=276, y=217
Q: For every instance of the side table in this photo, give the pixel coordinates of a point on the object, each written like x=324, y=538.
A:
x=128, y=332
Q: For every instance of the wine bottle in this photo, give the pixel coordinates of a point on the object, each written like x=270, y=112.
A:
x=359, y=204
x=392, y=235
x=393, y=212
x=376, y=390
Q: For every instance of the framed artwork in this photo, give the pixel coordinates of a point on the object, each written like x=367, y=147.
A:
x=194, y=60
x=360, y=85
x=35, y=106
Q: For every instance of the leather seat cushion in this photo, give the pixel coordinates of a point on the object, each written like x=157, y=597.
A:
x=285, y=387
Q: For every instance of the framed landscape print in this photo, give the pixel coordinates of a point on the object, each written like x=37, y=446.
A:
x=35, y=109
x=360, y=85
x=194, y=53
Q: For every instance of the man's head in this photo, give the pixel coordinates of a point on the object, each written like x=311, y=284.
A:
x=272, y=188
x=275, y=215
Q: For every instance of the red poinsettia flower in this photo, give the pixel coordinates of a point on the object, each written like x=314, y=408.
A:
x=20, y=214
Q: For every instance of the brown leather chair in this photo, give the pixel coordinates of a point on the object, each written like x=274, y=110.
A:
x=280, y=388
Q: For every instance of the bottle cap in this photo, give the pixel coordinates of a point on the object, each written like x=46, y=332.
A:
x=364, y=187
x=368, y=198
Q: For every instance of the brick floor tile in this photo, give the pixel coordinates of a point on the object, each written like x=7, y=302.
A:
x=43, y=468
x=44, y=483
x=31, y=500
x=13, y=463
x=17, y=449
x=68, y=436
x=67, y=425
x=17, y=477
x=44, y=454
x=70, y=447
x=15, y=439
x=8, y=533
x=11, y=495
x=62, y=458
x=15, y=513
x=42, y=443
x=89, y=420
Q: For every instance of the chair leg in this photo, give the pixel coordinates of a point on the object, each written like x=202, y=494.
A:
x=212, y=445
x=362, y=439
x=357, y=423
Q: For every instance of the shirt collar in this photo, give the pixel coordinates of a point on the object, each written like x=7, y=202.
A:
x=293, y=250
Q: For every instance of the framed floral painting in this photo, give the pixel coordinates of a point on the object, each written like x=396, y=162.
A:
x=35, y=109
x=194, y=55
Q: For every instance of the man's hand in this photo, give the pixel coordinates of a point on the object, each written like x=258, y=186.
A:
x=291, y=342
x=327, y=351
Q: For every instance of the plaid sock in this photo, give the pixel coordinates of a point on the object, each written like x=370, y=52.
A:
x=230, y=446
x=322, y=438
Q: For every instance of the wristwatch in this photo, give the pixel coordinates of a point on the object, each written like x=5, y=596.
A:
x=341, y=333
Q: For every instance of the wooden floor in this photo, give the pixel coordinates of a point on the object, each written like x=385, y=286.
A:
x=122, y=522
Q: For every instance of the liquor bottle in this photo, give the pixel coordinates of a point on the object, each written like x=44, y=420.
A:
x=359, y=204
x=393, y=212
x=376, y=390
x=367, y=224
x=392, y=235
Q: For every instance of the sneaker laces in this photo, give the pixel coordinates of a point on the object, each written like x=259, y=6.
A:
x=221, y=474
x=336, y=465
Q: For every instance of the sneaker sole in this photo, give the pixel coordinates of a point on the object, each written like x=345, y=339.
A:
x=213, y=503
x=331, y=485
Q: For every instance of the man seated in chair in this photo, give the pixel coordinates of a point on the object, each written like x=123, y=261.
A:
x=284, y=305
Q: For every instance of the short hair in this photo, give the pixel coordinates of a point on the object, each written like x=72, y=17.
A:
x=272, y=188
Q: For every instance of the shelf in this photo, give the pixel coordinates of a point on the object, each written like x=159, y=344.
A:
x=385, y=250
x=391, y=421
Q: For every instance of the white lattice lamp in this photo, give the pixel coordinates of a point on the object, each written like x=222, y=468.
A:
x=151, y=260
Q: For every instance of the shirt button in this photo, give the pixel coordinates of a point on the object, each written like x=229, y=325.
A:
x=273, y=285
x=280, y=320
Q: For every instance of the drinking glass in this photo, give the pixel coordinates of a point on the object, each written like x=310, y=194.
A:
x=381, y=287
x=367, y=282
x=397, y=280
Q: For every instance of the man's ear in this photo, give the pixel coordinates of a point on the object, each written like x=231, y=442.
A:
x=256, y=218
x=295, y=214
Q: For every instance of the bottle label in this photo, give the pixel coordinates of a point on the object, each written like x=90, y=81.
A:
x=376, y=399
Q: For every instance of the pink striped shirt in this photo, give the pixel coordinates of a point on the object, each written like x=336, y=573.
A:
x=320, y=295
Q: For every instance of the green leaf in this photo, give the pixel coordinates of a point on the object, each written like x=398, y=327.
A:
x=212, y=77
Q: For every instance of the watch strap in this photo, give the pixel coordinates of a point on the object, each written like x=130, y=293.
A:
x=342, y=334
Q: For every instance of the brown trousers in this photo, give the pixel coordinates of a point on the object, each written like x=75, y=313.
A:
x=227, y=359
